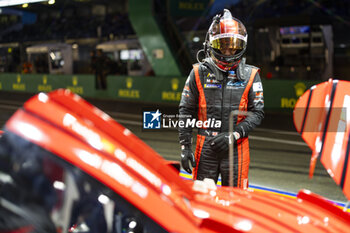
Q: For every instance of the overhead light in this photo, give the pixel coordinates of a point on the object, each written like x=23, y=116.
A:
x=4, y=3
x=25, y=5
x=51, y=2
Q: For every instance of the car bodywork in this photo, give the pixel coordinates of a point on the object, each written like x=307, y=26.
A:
x=68, y=166
x=321, y=116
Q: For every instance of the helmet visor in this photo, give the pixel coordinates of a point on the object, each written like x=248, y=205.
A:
x=229, y=46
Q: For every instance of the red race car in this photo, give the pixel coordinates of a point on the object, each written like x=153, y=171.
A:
x=65, y=166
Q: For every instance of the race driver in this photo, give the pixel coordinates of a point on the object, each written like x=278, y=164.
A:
x=219, y=84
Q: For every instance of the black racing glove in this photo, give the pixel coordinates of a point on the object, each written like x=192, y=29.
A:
x=186, y=157
x=220, y=143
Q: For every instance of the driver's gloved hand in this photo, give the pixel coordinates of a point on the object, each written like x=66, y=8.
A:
x=220, y=143
x=187, y=157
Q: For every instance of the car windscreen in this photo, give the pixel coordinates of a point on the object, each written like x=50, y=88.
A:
x=41, y=191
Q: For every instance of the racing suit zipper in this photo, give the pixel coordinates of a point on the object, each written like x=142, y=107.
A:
x=222, y=100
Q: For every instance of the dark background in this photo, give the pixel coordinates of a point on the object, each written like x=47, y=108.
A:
x=301, y=39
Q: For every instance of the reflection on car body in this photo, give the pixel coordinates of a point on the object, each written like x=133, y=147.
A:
x=65, y=166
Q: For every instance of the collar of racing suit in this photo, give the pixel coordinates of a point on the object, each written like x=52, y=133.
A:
x=219, y=75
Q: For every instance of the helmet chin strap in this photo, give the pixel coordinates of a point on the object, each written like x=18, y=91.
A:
x=216, y=70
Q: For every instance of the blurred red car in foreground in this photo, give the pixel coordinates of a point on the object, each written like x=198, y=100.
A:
x=65, y=166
